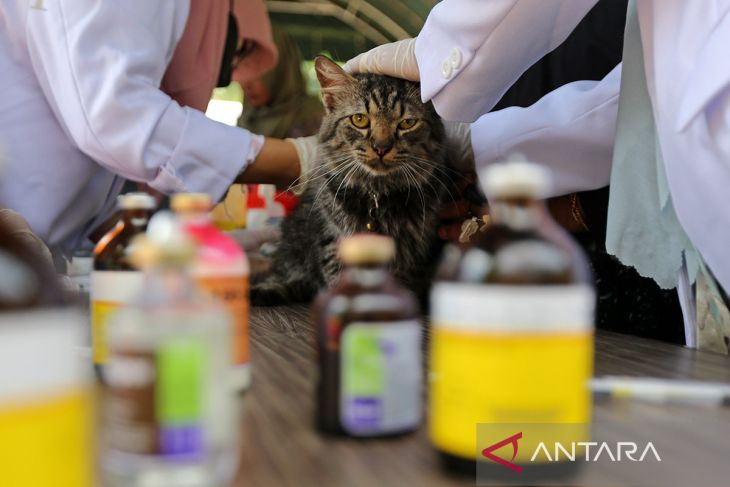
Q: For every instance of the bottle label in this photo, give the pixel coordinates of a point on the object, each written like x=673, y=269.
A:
x=380, y=377
x=233, y=292
x=45, y=400
x=507, y=354
x=155, y=400
x=110, y=290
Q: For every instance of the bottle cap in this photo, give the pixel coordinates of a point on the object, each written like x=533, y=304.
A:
x=367, y=248
x=136, y=201
x=165, y=244
x=182, y=202
x=516, y=179
x=255, y=199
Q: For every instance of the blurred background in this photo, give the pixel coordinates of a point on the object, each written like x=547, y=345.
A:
x=340, y=29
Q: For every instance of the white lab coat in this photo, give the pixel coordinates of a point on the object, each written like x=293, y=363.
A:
x=80, y=108
x=470, y=51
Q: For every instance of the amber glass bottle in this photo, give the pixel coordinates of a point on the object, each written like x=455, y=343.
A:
x=512, y=318
x=114, y=281
x=369, y=346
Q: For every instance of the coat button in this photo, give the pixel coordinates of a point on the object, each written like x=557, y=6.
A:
x=456, y=58
x=446, y=69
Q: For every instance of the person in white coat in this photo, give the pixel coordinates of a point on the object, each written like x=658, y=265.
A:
x=83, y=107
x=656, y=128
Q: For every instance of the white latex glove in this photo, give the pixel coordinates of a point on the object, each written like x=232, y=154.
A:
x=306, y=148
x=397, y=59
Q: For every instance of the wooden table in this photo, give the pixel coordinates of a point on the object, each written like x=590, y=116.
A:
x=282, y=448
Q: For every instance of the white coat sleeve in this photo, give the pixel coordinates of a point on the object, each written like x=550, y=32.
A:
x=570, y=131
x=100, y=64
x=470, y=52
x=697, y=150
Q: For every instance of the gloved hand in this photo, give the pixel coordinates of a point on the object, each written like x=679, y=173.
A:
x=12, y=222
x=397, y=59
x=306, y=148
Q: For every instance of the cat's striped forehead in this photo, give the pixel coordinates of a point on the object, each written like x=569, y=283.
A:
x=381, y=94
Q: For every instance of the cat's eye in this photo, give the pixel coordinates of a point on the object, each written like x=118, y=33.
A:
x=360, y=120
x=407, y=123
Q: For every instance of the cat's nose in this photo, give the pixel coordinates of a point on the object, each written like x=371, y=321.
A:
x=381, y=149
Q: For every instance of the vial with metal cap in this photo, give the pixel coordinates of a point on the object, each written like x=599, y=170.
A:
x=369, y=346
x=512, y=323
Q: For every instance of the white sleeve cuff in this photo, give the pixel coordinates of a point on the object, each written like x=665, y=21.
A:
x=207, y=155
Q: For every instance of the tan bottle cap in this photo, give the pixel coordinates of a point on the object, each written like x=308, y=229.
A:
x=164, y=245
x=182, y=202
x=136, y=201
x=516, y=179
x=366, y=248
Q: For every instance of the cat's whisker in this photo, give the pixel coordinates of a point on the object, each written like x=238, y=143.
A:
x=436, y=167
x=409, y=171
x=324, y=170
x=344, y=178
x=340, y=170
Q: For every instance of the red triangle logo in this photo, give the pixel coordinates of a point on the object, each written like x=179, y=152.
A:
x=487, y=452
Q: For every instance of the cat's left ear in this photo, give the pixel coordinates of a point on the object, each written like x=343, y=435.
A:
x=332, y=79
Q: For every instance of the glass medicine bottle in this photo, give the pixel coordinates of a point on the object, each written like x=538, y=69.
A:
x=114, y=281
x=221, y=268
x=369, y=346
x=169, y=412
x=46, y=398
x=512, y=327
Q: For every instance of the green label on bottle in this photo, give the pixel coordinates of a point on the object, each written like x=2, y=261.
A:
x=380, y=379
x=180, y=378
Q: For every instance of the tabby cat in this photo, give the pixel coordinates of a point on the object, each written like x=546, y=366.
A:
x=383, y=167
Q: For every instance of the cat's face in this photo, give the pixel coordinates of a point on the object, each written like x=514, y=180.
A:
x=376, y=132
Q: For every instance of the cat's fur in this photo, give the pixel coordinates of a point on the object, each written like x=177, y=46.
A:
x=411, y=182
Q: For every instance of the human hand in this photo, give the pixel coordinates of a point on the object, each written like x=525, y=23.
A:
x=397, y=59
x=15, y=225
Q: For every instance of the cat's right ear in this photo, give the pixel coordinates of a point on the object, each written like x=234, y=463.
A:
x=332, y=79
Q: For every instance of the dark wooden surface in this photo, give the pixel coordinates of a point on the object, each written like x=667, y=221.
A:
x=280, y=446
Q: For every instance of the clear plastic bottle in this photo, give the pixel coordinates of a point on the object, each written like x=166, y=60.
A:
x=222, y=269
x=169, y=410
x=369, y=346
x=114, y=281
x=512, y=324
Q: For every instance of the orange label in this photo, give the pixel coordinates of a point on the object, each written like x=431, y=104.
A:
x=233, y=291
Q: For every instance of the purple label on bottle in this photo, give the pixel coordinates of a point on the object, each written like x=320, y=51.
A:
x=364, y=413
x=181, y=441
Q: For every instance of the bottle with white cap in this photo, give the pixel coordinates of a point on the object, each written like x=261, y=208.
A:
x=115, y=281
x=170, y=415
x=512, y=318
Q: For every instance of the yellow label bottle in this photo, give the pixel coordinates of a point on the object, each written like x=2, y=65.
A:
x=45, y=401
x=512, y=318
